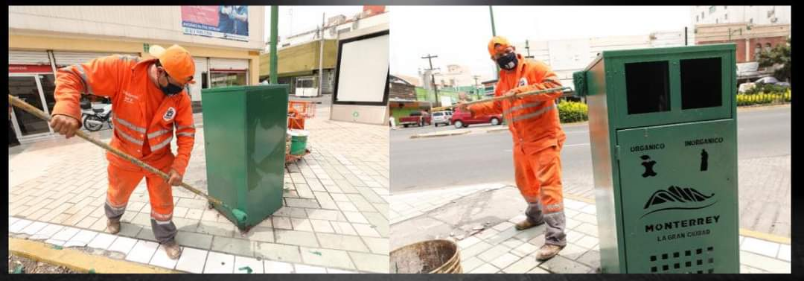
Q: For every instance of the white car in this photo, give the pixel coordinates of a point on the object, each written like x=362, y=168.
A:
x=442, y=117
x=744, y=87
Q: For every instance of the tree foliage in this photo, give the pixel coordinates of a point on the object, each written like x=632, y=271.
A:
x=779, y=57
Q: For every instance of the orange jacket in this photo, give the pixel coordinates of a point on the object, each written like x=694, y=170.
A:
x=533, y=120
x=295, y=120
x=125, y=81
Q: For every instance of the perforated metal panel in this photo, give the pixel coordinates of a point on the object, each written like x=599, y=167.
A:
x=685, y=261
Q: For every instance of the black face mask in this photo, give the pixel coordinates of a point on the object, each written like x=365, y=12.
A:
x=170, y=89
x=507, y=61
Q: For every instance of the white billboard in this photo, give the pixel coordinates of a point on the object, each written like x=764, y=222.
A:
x=362, y=73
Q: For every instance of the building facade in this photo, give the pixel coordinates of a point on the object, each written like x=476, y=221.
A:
x=300, y=63
x=45, y=38
x=750, y=39
x=758, y=15
x=751, y=28
x=568, y=56
x=337, y=25
x=298, y=54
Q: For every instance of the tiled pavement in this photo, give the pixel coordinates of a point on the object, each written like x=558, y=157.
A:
x=502, y=249
x=335, y=217
x=757, y=177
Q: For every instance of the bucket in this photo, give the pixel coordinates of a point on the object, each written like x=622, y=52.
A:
x=433, y=256
x=298, y=141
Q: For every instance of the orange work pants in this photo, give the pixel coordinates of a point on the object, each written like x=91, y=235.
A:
x=538, y=177
x=122, y=183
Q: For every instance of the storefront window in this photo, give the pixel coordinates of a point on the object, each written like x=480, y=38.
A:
x=226, y=79
x=48, y=88
x=24, y=88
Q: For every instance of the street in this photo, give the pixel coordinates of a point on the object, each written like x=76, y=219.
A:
x=764, y=140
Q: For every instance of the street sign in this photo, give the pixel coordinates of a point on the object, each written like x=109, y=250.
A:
x=146, y=47
x=664, y=153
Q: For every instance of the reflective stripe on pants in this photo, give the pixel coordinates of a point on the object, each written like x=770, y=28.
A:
x=122, y=183
x=538, y=177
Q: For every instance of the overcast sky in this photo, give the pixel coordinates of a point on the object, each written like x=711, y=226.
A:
x=459, y=34
x=296, y=19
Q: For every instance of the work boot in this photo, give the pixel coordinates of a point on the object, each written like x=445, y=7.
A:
x=172, y=249
x=525, y=224
x=547, y=252
x=113, y=225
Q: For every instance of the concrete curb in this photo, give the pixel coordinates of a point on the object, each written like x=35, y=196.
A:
x=77, y=260
x=761, y=107
x=421, y=136
x=743, y=231
x=497, y=130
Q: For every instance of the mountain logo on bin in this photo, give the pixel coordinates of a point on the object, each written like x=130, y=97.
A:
x=678, y=198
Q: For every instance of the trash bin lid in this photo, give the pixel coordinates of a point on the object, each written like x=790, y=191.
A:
x=299, y=133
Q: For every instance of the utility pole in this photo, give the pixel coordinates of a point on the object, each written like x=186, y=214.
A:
x=274, y=29
x=477, y=88
x=685, y=36
x=321, y=56
x=527, y=48
x=432, y=76
x=494, y=33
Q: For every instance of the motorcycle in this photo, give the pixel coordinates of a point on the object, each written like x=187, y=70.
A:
x=95, y=115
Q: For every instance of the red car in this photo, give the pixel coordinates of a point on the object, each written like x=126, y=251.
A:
x=414, y=119
x=463, y=119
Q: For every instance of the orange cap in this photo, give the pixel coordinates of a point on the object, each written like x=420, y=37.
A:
x=176, y=61
x=497, y=40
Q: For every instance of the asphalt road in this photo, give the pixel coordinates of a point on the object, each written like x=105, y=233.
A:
x=418, y=164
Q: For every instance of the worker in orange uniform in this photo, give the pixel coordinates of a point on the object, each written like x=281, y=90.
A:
x=538, y=138
x=295, y=119
x=150, y=105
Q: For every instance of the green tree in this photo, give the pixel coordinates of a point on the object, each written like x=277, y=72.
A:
x=779, y=55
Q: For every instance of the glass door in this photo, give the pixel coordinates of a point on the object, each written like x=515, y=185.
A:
x=29, y=89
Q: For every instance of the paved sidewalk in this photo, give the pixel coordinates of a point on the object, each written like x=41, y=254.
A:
x=500, y=248
x=335, y=217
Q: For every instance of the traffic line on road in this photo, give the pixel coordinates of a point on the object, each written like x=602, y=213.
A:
x=569, y=145
x=448, y=133
x=577, y=144
x=77, y=260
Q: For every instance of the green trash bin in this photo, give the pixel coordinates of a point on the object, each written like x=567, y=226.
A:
x=663, y=134
x=244, y=140
x=298, y=141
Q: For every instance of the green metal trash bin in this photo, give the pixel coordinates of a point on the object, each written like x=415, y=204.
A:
x=244, y=139
x=298, y=141
x=663, y=136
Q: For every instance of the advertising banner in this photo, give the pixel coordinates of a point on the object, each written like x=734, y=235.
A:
x=227, y=22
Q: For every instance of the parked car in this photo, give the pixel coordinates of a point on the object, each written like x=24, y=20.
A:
x=462, y=119
x=442, y=117
x=415, y=118
x=772, y=81
x=744, y=87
